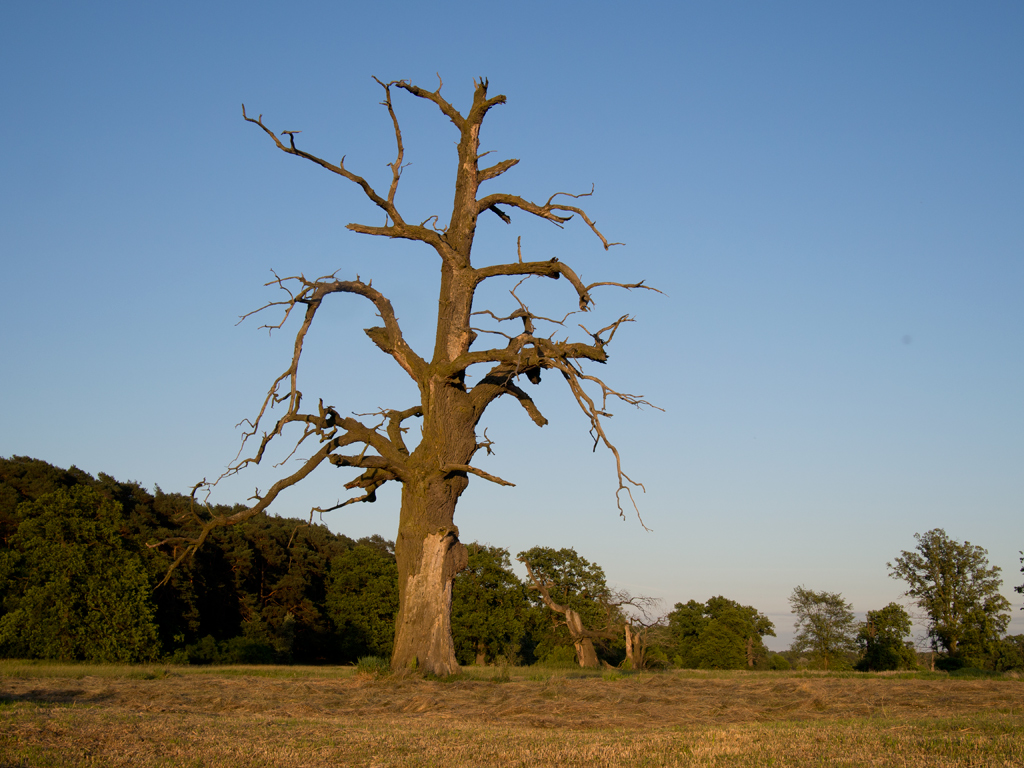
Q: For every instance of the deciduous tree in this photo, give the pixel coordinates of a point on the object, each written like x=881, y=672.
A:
x=824, y=625
x=955, y=586
x=362, y=598
x=576, y=593
x=489, y=607
x=720, y=634
x=882, y=637
x=456, y=381
x=79, y=592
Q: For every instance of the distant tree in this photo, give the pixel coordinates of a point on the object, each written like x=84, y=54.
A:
x=489, y=607
x=719, y=634
x=882, y=640
x=647, y=642
x=574, y=590
x=77, y=591
x=362, y=598
x=824, y=626
x=958, y=590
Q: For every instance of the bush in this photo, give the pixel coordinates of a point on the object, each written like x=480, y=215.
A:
x=777, y=661
x=237, y=650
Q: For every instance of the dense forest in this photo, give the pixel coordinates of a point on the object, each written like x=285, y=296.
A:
x=84, y=576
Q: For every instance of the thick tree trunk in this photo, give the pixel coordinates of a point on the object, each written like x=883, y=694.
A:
x=429, y=555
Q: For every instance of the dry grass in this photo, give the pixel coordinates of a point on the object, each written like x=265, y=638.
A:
x=291, y=717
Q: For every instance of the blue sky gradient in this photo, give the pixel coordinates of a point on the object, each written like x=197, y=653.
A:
x=831, y=197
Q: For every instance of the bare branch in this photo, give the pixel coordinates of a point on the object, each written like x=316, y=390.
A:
x=595, y=414
x=396, y=167
x=338, y=169
x=452, y=468
x=495, y=170
x=550, y=210
x=221, y=520
x=398, y=227
x=434, y=96
x=553, y=269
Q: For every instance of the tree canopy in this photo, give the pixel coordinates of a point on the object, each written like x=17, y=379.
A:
x=882, y=638
x=824, y=626
x=85, y=594
x=719, y=634
x=579, y=602
x=953, y=583
x=490, y=610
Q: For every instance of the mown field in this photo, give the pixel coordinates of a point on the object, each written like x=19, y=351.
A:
x=79, y=715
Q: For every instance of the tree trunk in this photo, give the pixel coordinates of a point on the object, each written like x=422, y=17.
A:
x=481, y=653
x=629, y=647
x=429, y=554
x=585, y=653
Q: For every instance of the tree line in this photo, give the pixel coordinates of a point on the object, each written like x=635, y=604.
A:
x=81, y=579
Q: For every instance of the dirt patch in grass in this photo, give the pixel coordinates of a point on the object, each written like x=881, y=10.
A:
x=233, y=719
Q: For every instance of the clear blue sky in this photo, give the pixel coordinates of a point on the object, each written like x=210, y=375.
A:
x=830, y=195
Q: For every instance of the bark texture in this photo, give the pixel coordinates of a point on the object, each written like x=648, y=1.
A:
x=435, y=470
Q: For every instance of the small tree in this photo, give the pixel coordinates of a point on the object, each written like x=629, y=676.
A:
x=456, y=382
x=882, y=639
x=824, y=625
x=958, y=590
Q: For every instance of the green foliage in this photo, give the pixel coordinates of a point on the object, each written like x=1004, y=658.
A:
x=75, y=590
x=824, y=627
x=362, y=598
x=250, y=587
x=560, y=657
x=954, y=584
x=1008, y=654
x=720, y=634
x=776, y=661
x=572, y=581
x=882, y=640
x=489, y=607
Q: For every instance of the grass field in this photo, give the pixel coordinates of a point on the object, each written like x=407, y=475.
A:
x=79, y=715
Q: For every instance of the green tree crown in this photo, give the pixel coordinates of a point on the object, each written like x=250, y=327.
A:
x=953, y=583
x=76, y=592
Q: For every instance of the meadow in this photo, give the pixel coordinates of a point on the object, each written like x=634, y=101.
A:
x=241, y=717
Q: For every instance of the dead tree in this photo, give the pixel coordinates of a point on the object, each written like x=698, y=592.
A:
x=638, y=625
x=435, y=469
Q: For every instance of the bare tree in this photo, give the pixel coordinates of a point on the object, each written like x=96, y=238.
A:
x=639, y=624
x=435, y=470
